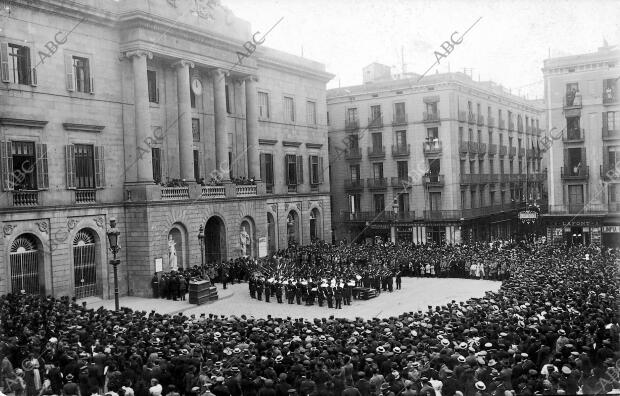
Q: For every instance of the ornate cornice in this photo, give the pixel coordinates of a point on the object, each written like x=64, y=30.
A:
x=138, y=53
x=287, y=143
x=22, y=122
x=314, y=145
x=183, y=63
x=82, y=127
x=267, y=142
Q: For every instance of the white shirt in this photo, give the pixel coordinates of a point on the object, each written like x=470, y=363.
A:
x=156, y=390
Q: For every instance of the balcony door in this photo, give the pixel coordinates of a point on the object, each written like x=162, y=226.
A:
x=379, y=202
x=377, y=142
x=575, y=198
x=434, y=201
x=377, y=169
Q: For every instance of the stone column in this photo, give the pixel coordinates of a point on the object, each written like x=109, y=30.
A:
x=186, y=141
x=144, y=162
x=251, y=122
x=221, y=133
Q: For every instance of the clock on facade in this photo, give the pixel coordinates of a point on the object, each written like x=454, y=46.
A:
x=196, y=87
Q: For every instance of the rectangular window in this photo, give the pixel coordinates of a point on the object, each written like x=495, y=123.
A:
x=354, y=142
x=197, y=165
x=151, y=76
x=311, y=113
x=501, y=166
x=156, y=160
x=379, y=202
x=403, y=203
x=196, y=129
x=291, y=169
x=377, y=170
x=375, y=112
x=266, y=170
x=401, y=140
x=377, y=142
x=402, y=169
x=84, y=166
x=432, y=133
x=460, y=134
x=289, y=109
x=399, y=112
x=355, y=172
x=81, y=67
x=316, y=169
x=575, y=197
x=434, y=166
x=23, y=158
x=611, y=120
x=228, y=99
x=355, y=203
x=463, y=200
x=263, y=105
x=352, y=115
x=473, y=199
x=19, y=64
x=431, y=108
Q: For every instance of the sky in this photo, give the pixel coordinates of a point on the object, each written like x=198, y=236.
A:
x=507, y=45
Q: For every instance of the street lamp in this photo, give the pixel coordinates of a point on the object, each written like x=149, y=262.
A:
x=114, y=247
x=201, y=238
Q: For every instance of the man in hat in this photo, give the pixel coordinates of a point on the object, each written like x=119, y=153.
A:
x=155, y=285
x=70, y=388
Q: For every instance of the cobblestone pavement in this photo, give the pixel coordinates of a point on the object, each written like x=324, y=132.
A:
x=417, y=293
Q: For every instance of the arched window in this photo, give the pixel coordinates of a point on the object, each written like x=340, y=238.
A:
x=86, y=281
x=24, y=259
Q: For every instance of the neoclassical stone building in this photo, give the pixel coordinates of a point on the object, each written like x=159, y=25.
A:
x=129, y=109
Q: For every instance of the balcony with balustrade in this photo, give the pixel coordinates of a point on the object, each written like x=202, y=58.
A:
x=472, y=147
x=376, y=122
x=512, y=152
x=575, y=173
x=25, y=198
x=440, y=215
x=353, y=154
x=471, y=118
x=572, y=101
x=574, y=135
x=401, y=182
x=610, y=95
x=87, y=196
x=503, y=150
x=430, y=117
x=406, y=215
x=401, y=150
x=579, y=209
x=174, y=193
x=480, y=120
x=377, y=183
x=501, y=124
x=354, y=184
x=434, y=180
x=356, y=216
x=432, y=147
x=376, y=152
x=212, y=192
x=351, y=125
x=400, y=119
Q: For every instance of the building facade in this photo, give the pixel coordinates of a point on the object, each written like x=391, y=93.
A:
x=157, y=114
x=581, y=95
x=444, y=160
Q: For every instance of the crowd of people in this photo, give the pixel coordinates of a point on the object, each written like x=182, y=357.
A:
x=552, y=328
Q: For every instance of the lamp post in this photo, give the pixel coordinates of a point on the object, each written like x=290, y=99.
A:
x=114, y=247
x=201, y=239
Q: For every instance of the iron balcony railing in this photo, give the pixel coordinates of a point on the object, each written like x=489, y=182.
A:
x=376, y=122
x=473, y=147
x=433, y=180
x=432, y=146
x=575, y=173
x=482, y=148
x=401, y=150
x=512, y=152
x=401, y=182
x=354, y=184
x=575, y=135
x=503, y=150
x=463, y=147
x=376, y=152
x=579, y=208
x=610, y=133
x=353, y=154
x=521, y=152
x=400, y=119
x=431, y=116
x=492, y=149
x=377, y=183
x=351, y=125
x=572, y=101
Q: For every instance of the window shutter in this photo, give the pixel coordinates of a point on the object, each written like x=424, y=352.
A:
x=321, y=170
x=583, y=157
x=41, y=167
x=91, y=73
x=99, y=167
x=300, y=169
x=310, y=175
x=70, y=165
x=286, y=175
x=263, y=167
x=4, y=61
x=69, y=73
x=33, y=70
x=7, y=166
x=605, y=121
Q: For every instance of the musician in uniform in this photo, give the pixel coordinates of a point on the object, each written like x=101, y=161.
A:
x=299, y=291
x=252, y=285
x=330, y=296
x=267, y=290
x=259, y=289
x=338, y=296
x=278, y=287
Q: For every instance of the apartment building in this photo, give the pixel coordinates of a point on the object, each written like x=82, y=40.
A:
x=444, y=159
x=582, y=101
x=145, y=112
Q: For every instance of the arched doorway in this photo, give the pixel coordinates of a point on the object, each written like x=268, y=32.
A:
x=26, y=265
x=85, y=279
x=316, y=227
x=177, y=248
x=246, y=238
x=292, y=228
x=271, y=233
x=215, y=240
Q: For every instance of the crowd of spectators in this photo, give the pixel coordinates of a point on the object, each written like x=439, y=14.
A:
x=552, y=328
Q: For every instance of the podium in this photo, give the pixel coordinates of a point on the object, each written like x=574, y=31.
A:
x=201, y=292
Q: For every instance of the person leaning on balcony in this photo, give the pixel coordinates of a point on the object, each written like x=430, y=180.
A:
x=577, y=99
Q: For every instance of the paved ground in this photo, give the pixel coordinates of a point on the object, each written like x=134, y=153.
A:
x=417, y=293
